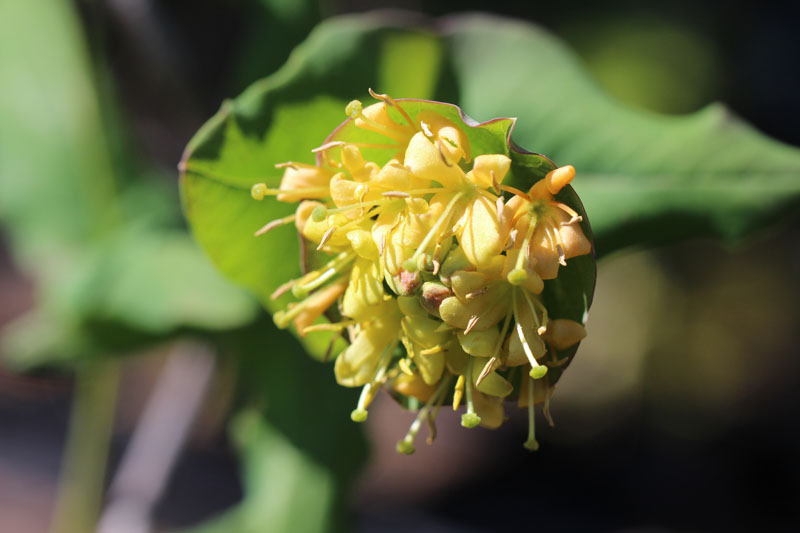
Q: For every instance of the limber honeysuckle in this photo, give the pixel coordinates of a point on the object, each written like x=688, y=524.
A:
x=434, y=268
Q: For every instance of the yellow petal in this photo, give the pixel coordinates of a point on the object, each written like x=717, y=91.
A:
x=450, y=137
x=423, y=331
x=413, y=386
x=465, y=283
x=425, y=160
x=362, y=243
x=487, y=165
x=316, y=304
x=489, y=307
x=490, y=409
x=516, y=354
x=395, y=177
x=482, y=237
x=541, y=390
x=480, y=343
x=562, y=333
x=300, y=176
x=357, y=364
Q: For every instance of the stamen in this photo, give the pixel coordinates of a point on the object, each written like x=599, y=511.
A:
x=314, y=279
x=497, y=347
x=355, y=110
x=470, y=419
x=458, y=392
x=487, y=369
x=495, y=183
x=515, y=191
x=405, y=366
x=396, y=194
x=359, y=414
x=425, y=129
x=475, y=294
x=519, y=274
x=531, y=444
x=335, y=326
x=326, y=237
x=437, y=253
x=431, y=351
x=423, y=192
x=260, y=190
x=546, y=410
x=471, y=324
x=406, y=445
x=537, y=370
x=274, y=224
x=499, y=207
x=431, y=421
x=445, y=217
x=333, y=144
x=283, y=289
x=319, y=213
x=568, y=210
x=388, y=100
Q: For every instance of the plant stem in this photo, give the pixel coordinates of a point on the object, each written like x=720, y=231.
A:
x=84, y=464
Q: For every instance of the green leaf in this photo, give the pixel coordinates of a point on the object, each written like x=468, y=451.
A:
x=285, y=490
x=111, y=270
x=644, y=178
x=56, y=181
x=300, y=451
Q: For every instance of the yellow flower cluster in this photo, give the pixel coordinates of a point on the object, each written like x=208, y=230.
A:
x=435, y=267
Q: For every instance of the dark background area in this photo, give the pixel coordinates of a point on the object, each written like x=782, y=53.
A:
x=698, y=427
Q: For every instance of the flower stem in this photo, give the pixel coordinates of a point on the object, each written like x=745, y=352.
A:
x=83, y=469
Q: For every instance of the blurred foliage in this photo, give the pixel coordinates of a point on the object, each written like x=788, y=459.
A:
x=115, y=272
x=103, y=263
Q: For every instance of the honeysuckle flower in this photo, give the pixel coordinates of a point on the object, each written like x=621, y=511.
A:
x=435, y=270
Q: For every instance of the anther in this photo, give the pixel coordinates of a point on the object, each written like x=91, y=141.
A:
x=561, y=255
x=405, y=366
x=326, y=237
x=471, y=324
x=425, y=129
x=471, y=295
x=396, y=194
x=487, y=369
x=458, y=392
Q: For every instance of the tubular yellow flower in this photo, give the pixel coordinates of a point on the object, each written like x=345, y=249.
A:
x=437, y=271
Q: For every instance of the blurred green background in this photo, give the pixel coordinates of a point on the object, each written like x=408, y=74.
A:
x=680, y=411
